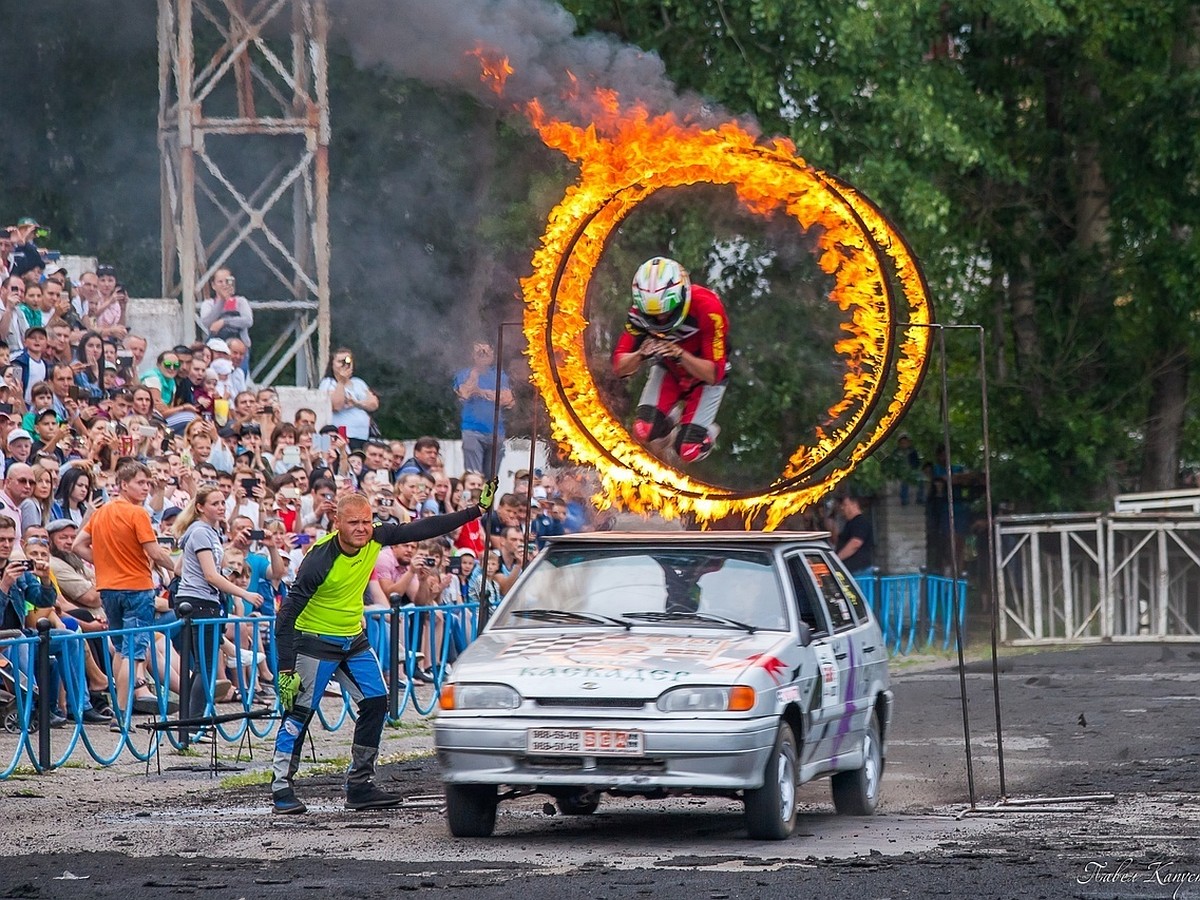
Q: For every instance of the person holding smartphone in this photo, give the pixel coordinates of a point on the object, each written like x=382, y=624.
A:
x=202, y=584
x=350, y=397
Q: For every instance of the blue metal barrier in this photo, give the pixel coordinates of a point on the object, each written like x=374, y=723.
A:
x=239, y=648
x=915, y=612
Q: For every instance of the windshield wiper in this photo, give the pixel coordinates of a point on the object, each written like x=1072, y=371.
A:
x=652, y=616
x=566, y=615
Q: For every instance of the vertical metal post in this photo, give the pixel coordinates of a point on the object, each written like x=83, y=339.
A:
x=317, y=50
x=189, y=233
x=394, y=600
x=187, y=649
x=993, y=573
x=529, y=512
x=958, y=633
x=45, y=697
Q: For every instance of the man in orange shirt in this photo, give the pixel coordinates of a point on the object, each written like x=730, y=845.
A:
x=120, y=541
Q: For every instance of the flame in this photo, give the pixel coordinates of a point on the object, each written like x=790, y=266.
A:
x=625, y=155
x=494, y=68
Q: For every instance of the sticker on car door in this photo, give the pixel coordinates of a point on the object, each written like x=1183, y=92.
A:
x=830, y=678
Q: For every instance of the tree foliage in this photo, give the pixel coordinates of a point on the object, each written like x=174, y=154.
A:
x=1042, y=158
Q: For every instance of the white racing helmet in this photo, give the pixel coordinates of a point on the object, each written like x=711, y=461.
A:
x=662, y=293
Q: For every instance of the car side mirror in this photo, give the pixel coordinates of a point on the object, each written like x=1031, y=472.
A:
x=806, y=634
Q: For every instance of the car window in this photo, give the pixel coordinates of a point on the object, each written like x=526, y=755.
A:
x=832, y=599
x=612, y=581
x=852, y=593
x=808, y=608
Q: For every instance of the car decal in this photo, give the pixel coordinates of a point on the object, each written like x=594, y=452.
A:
x=573, y=648
x=789, y=694
x=829, y=674
x=847, y=717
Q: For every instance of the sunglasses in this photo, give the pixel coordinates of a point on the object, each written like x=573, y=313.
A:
x=171, y=365
x=42, y=542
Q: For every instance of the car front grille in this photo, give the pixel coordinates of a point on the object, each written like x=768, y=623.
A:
x=590, y=702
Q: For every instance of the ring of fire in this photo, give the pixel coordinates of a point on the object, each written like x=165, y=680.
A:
x=626, y=157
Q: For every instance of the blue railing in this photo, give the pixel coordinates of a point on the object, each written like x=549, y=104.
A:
x=916, y=612
x=409, y=641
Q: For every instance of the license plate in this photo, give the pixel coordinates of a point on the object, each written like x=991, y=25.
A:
x=584, y=742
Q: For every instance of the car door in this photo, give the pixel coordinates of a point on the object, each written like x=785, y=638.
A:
x=839, y=653
x=829, y=650
x=867, y=646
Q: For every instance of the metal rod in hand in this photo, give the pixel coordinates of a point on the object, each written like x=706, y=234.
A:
x=45, y=700
x=484, y=612
x=529, y=503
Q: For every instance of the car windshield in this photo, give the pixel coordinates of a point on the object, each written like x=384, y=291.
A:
x=660, y=587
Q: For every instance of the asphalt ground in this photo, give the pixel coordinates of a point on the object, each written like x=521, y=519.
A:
x=1117, y=719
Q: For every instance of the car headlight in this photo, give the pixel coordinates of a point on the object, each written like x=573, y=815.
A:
x=737, y=698
x=478, y=696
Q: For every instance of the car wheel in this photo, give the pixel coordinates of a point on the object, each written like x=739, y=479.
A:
x=771, y=809
x=856, y=793
x=471, y=809
x=579, y=803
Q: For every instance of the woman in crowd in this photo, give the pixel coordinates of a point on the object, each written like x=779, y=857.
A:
x=350, y=397
x=39, y=508
x=143, y=402
x=201, y=583
x=74, y=491
x=89, y=365
x=226, y=314
x=282, y=461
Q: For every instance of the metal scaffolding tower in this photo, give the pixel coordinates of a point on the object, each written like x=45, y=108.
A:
x=243, y=127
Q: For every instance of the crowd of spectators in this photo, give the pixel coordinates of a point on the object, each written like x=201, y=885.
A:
x=183, y=448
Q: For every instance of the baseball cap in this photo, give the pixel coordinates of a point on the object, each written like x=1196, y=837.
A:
x=18, y=434
x=216, y=345
x=465, y=551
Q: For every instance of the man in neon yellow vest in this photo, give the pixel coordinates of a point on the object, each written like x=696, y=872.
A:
x=319, y=636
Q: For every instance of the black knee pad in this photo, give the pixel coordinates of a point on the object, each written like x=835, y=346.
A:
x=690, y=434
x=660, y=426
x=371, y=713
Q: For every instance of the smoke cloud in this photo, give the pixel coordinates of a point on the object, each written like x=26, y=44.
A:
x=433, y=42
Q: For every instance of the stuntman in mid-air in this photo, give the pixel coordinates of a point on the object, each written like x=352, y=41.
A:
x=682, y=329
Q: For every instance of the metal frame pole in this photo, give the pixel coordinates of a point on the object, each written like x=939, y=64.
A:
x=484, y=612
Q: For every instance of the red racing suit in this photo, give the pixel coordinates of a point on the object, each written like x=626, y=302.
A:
x=704, y=332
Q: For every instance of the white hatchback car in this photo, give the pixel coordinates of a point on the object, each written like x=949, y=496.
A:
x=738, y=664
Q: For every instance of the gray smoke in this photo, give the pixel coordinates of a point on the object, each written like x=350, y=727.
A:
x=433, y=41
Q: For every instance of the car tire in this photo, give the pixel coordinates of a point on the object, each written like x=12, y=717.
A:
x=856, y=793
x=771, y=809
x=578, y=803
x=471, y=809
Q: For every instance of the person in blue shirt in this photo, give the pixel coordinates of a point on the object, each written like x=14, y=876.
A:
x=475, y=388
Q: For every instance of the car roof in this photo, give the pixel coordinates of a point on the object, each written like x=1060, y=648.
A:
x=693, y=537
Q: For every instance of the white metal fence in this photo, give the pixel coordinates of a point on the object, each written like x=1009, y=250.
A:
x=1093, y=577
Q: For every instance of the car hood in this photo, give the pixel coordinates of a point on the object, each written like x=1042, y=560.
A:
x=638, y=663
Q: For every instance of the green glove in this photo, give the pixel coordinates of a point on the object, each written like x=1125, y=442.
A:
x=487, y=495
x=287, y=686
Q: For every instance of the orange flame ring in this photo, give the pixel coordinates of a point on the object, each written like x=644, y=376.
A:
x=855, y=239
